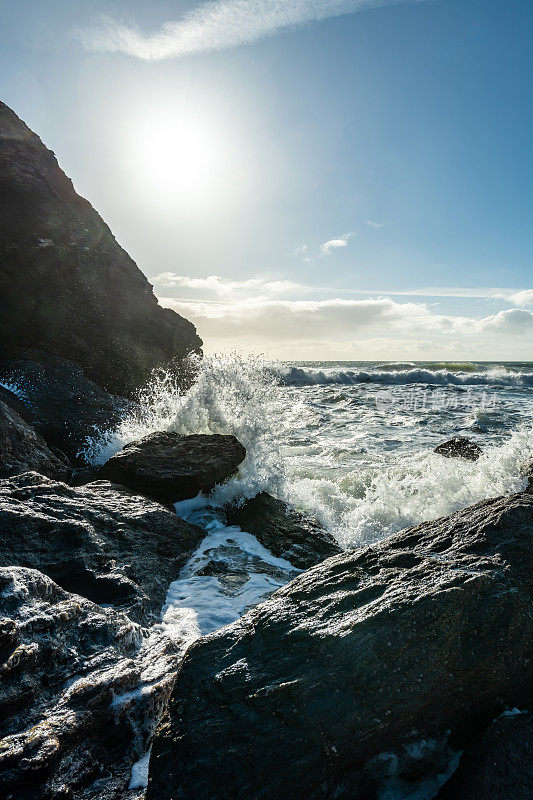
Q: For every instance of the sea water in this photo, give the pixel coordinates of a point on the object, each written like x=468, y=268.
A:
x=351, y=442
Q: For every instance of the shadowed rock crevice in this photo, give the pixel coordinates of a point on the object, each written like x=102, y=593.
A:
x=282, y=530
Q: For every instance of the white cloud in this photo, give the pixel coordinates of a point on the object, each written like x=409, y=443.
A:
x=373, y=224
x=334, y=244
x=223, y=287
x=523, y=298
x=514, y=321
x=331, y=328
x=217, y=26
x=325, y=320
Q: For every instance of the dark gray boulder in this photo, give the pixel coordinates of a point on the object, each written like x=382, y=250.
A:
x=283, y=531
x=60, y=402
x=81, y=689
x=172, y=467
x=66, y=285
x=499, y=764
x=99, y=541
x=337, y=684
x=459, y=447
x=22, y=449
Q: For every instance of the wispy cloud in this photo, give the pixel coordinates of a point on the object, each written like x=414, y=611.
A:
x=334, y=244
x=217, y=26
x=372, y=224
x=214, y=285
x=220, y=286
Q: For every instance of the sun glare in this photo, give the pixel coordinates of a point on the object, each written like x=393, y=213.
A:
x=179, y=158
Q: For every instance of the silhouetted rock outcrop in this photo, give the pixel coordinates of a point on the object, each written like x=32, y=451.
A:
x=172, y=467
x=283, y=531
x=349, y=679
x=60, y=402
x=66, y=286
x=99, y=541
x=22, y=449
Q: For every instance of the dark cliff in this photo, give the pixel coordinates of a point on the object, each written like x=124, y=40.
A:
x=66, y=285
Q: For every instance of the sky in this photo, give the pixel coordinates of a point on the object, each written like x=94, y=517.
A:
x=310, y=179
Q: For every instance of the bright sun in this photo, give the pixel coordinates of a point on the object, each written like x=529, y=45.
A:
x=179, y=158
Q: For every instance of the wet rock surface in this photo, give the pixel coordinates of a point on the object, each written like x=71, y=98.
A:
x=527, y=472
x=100, y=541
x=172, y=467
x=66, y=285
x=499, y=765
x=283, y=531
x=81, y=689
x=335, y=685
x=22, y=449
x=459, y=447
x=60, y=402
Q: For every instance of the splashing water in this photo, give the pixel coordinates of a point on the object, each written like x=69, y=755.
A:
x=365, y=470
x=233, y=395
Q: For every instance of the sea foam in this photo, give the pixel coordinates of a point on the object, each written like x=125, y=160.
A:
x=305, y=451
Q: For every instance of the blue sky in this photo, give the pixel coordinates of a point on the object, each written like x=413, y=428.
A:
x=359, y=183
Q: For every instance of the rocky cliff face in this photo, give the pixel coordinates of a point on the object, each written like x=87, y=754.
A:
x=66, y=285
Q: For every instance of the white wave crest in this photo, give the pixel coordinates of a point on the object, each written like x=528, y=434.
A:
x=498, y=376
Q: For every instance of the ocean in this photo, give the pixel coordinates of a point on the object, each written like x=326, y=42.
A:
x=351, y=442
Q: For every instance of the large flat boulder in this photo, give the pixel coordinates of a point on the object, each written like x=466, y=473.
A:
x=81, y=689
x=99, y=541
x=60, y=402
x=365, y=673
x=172, y=467
x=66, y=285
x=22, y=449
x=284, y=531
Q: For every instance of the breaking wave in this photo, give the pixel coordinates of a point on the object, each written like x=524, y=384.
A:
x=304, y=451
x=449, y=374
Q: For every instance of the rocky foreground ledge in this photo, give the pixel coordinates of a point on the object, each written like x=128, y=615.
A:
x=370, y=671
x=367, y=674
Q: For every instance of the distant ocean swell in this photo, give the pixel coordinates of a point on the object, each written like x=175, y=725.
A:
x=393, y=375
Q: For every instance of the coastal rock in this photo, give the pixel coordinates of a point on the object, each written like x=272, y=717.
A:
x=22, y=449
x=352, y=676
x=66, y=285
x=283, y=531
x=100, y=541
x=527, y=472
x=81, y=689
x=172, y=467
x=499, y=765
x=63, y=405
x=459, y=447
